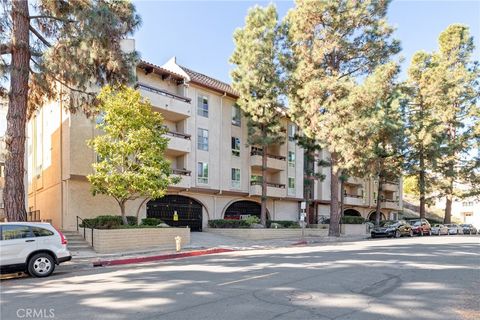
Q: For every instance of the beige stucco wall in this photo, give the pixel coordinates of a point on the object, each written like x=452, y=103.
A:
x=264, y=234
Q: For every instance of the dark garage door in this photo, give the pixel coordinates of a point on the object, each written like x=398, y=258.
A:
x=189, y=211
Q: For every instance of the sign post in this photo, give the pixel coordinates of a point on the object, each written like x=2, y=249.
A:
x=303, y=214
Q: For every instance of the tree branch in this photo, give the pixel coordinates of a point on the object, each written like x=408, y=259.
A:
x=5, y=48
x=39, y=36
x=51, y=17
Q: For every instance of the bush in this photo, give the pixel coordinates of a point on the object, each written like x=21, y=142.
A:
x=252, y=220
x=108, y=222
x=352, y=220
x=283, y=223
x=151, y=222
x=225, y=223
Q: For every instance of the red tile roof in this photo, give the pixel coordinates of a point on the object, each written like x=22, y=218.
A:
x=159, y=70
x=211, y=83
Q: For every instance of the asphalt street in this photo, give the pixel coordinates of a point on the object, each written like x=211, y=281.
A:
x=408, y=278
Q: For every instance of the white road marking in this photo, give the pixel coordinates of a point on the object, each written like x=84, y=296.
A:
x=246, y=279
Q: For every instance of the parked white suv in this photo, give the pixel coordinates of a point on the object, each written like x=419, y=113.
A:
x=32, y=247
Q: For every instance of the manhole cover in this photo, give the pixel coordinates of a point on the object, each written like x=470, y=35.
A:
x=299, y=296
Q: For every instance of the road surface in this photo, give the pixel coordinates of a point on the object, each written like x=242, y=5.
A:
x=408, y=278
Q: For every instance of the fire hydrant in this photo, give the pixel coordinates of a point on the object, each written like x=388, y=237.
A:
x=178, y=243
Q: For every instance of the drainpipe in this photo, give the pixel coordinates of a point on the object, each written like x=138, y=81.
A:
x=61, y=160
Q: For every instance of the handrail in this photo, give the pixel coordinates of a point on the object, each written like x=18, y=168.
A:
x=178, y=135
x=269, y=184
x=163, y=92
x=259, y=152
x=182, y=172
x=85, y=226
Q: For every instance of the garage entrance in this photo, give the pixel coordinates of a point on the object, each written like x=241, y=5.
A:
x=189, y=211
x=238, y=209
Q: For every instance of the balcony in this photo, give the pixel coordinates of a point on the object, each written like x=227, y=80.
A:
x=275, y=190
x=173, y=107
x=390, y=204
x=391, y=185
x=353, y=199
x=274, y=162
x=185, y=178
x=178, y=144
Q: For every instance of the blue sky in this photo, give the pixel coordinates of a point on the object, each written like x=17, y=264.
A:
x=199, y=33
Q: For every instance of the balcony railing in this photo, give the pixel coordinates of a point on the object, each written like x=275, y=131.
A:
x=359, y=196
x=163, y=92
x=269, y=184
x=258, y=152
x=395, y=182
x=182, y=172
x=178, y=135
x=389, y=200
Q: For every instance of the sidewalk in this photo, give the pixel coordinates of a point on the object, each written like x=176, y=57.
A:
x=201, y=243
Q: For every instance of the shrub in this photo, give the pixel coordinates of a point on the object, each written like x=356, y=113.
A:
x=283, y=223
x=252, y=220
x=151, y=222
x=225, y=223
x=352, y=220
x=108, y=222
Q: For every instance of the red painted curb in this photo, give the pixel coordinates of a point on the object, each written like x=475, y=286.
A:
x=300, y=243
x=104, y=263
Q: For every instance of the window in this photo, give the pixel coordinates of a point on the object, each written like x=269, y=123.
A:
x=236, y=146
x=41, y=232
x=202, y=172
x=291, y=185
x=291, y=159
x=236, y=116
x=236, y=178
x=467, y=203
x=255, y=179
x=292, y=131
x=11, y=232
x=202, y=106
x=202, y=141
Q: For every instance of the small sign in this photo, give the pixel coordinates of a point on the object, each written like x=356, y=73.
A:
x=303, y=205
x=175, y=216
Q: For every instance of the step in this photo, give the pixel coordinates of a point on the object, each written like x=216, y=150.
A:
x=79, y=246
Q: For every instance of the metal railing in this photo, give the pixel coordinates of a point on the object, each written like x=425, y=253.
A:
x=163, y=92
x=269, y=184
x=182, y=172
x=85, y=226
x=259, y=151
x=178, y=135
x=353, y=195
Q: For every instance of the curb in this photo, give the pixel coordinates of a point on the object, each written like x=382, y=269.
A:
x=105, y=263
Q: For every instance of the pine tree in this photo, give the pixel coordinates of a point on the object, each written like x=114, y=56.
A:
x=454, y=92
x=256, y=79
x=62, y=50
x=332, y=45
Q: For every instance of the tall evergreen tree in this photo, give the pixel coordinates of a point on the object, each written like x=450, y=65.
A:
x=334, y=43
x=454, y=92
x=256, y=79
x=57, y=50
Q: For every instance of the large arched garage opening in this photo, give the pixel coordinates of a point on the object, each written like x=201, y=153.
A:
x=189, y=211
x=239, y=209
x=351, y=213
x=371, y=216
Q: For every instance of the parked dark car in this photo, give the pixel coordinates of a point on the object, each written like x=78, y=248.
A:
x=392, y=229
x=468, y=229
x=421, y=227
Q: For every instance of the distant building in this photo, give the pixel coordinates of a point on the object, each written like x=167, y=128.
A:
x=466, y=210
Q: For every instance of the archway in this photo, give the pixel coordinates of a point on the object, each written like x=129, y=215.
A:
x=372, y=215
x=189, y=211
x=351, y=213
x=238, y=209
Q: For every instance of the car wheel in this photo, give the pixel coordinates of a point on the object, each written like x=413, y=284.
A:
x=410, y=233
x=397, y=234
x=429, y=232
x=41, y=265
x=373, y=236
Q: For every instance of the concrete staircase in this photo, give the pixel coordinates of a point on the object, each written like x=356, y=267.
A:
x=77, y=245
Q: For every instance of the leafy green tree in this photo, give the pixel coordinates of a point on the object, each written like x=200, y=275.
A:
x=454, y=92
x=410, y=185
x=131, y=150
x=56, y=50
x=423, y=126
x=257, y=81
x=329, y=46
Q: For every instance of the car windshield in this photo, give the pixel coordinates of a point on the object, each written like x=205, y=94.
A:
x=415, y=222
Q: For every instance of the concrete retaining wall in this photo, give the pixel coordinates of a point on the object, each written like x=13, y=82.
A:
x=354, y=229
x=264, y=234
x=118, y=240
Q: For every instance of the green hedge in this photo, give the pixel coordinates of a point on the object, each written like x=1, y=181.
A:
x=108, y=222
x=284, y=223
x=352, y=220
x=227, y=224
x=151, y=222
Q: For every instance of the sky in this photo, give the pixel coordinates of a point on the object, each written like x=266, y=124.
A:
x=199, y=33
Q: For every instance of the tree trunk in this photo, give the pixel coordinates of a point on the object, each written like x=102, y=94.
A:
x=379, y=201
x=342, y=198
x=421, y=184
x=263, y=210
x=334, y=228
x=122, y=210
x=14, y=193
x=139, y=208
x=448, y=204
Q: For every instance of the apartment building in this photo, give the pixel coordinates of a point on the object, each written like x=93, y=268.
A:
x=466, y=210
x=360, y=196
x=220, y=174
